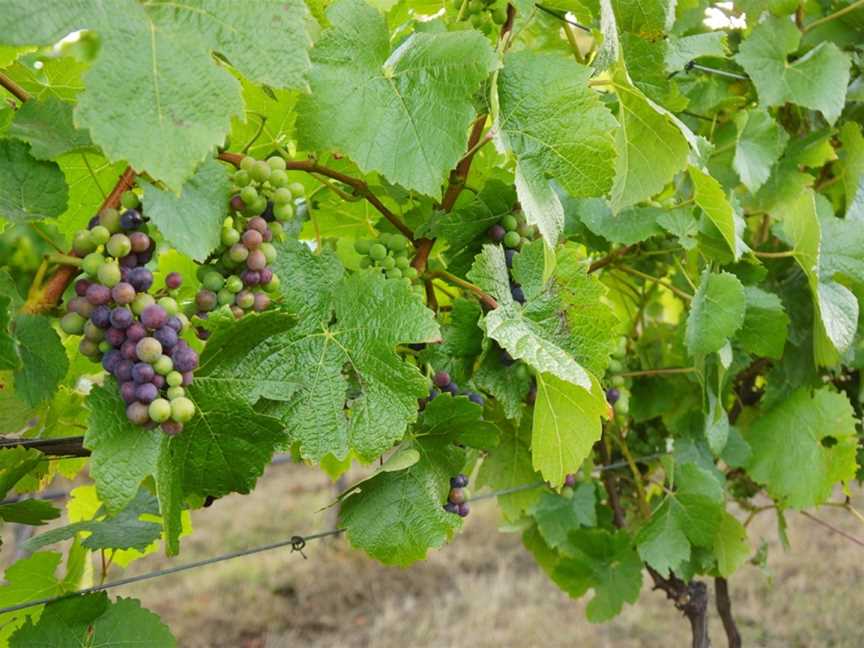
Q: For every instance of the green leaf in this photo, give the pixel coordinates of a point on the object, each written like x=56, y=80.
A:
x=89, y=177
x=662, y=542
x=841, y=252
x=30, y=511
x=30, y=189
x=651, y=148
x=539, y=201
x=606, y=563
x=169, y=490
x=709, y=195
x=556, y=126
x=308, y=281
x=507, y=386
x=765, y=324
x=490, y=273
x=123, y=454
x=648, y=18
x=558, y=515
x=266, y=41
x=681, y=50
x=803, y=447
x=43, y=359
x=374, y=104
x=46, y=124
x=816, y=80
x=9, y=358
x=460, y=419
x=731, y=546
x=92, y=621
x=20, y=25
x=396, y=517
x=461, y=335
x=226, y=447
x=276, y=108
x=566, y=426
x=716, y=313
x=760, y=144
x=192, y=221
x=509, y=466
x=629, y=226
x=28, y=579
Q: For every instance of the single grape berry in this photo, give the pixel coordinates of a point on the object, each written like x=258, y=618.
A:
x=517, y=293
x=159, y=410
x=451, y=388
x=154, y=317
x=118, y=246
x=138, y=413
x=121, y=318
x=123, y=293
x=172, y=428
x=135, y=332
x=81, y=306
x=100, y=234
x=123, y=369
x=570, y=480
x=509, y=255
x=110, y=360
x=146, y=393
x=441, y=379
x=141, y=279
x=459, y=481
x=131, y=219
x=72, y=324
x=462, y=509
x=142, y=373
x=185, y=359
x=127, y=391
x=512, y=240
x=148, y=349
x=206, y=300
x=182, y=410
x=173, y=280
x=167, y=337
x=97, y=294
x=612, y=395
x=496, y=233
x=101, y=316
x=474, y=397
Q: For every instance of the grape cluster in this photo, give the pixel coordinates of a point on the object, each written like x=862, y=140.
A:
x=389, y=252
x=442, y=381
x=457, y=500
x=618, y=395
x=262, y=188
x=512, y=232
x=482, y=14
x=135, y=336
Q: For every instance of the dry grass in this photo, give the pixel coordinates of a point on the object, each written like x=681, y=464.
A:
x=482, y=590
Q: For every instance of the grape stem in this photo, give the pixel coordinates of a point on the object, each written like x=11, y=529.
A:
x=657, y=372
x=485, y=298
x=661, y=282
x=65, y=259
x=20, y=93
x=312, y=166
x=840, y=12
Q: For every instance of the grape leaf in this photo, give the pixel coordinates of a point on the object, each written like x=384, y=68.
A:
x=557, y=515
x=46, y=125
x=376, y=105
x=604, y=562
x=307, y=281
x=649, y=18
x=765, y=324
x=169, y=490
x=629, y=226
x=30, y=511
x=841, y=251
x=43, y=359
x=89, y=177
x=397, y=516
x=508, y=385
x=803, y=446
x=192, y=221
x=716, y=313
x=275, y=108
x=709, y=195
x=539, y=201
x=123, y=454
x=266, y=41
x=93, y=621
x=681, y=50
x=459, y=418
x=557, y=127
x=646, y=63
x=462, y=334
x=760, y=144
x=28, y=579
x=852, y=157
x=651, y=148
x=817, y=80
x=30, y=189
x=566, y=426
x=731, y=546
x=9, y=358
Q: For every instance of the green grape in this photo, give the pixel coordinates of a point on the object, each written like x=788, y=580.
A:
x=213, y=281
x=377, y=251
x=297, y=189
x=278, y=178
x=225, y=297
x=228, y=222
x=403, y=262
x=273, y=286
x=249, y=195
x=283, y=212
x=277, y=163
x=394, y=273
x=109, y=274
x=475, y=6
x=118, y=246
x=269, y=251
x=164, y=366
x=365, y=262
x=258, y=206
x=234, y=284
x=615, y=366
x=160, y=410
x=499, y=16
x=110, y=219
x=282, y=195
x=261, y=171
x=100, y=235
x=142, y=301
x=618, y=381
x=398, y=243
x=182, y=409
x=174, y=393
x=169, y=305
x=361, y=246
x=230, y=236
x=174, y=379
x=91, y=263
x=385, y=238
x=241, y=178
x=410, y=273
x=512, y=239
x=83, y=243
x=129, y=200
x=72, y=323
x=477, y=20
x=510, y=223
x=247, y=163
x=388, y=263
x=104, y=347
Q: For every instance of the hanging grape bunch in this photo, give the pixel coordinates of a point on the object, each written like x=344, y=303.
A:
x=482, y=14
x=618, y=395
x=134, y=334
x=389, y=252
x=444, y=382
x=457, y=500
x=512, y=232
x=239, y=275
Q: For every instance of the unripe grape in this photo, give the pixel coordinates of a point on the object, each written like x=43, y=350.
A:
x=148, y=349
x=410, y=273
x=377, y=251
x=244, y=299
x=110, y=220
x=140, y=242
x=234, y=284
x=142, y=300
x=512, y=239
x=174, y=379
x=109, y=274
x=164, y=365
x=249, y=195
x=403, y=263
x=119, y=245
x=174, y=393
x=182, y=409
x=282, y=196
x=272, y=285
x=252, y=239
x=388, y=263
x=172, y=428
x=278, y=178
x=100, y=235
x=138, y=413
x=262, y=302
x=247, y=163
x=238, y=253
x=241, y=178
x=205, y=300
x=284, y=211
x=169, y=305
x=510, y=223
x=72, y=324
x=88, y=348
x=129, y=199
x=276, y=162
x=256, y=260
x=260, y=171
x=159, y=410
x=173, y=280
x=394, y=273
x=361, y=246
x=93, y=332
x=91, y=263
x=224, y=297
x=297, y=189
x=81, y=306
x=230, y=236
x=83, y=243
x=257, y=207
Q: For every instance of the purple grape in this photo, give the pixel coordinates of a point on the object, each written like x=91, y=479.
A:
x=237, y=203
x=101, y=316
x=123, y=293
x=202, y=333
x=129, y=261
x=187, y=377
x=172, y=428
x=258, y=224
x=97, y=294
x=612, y=395
x=140, y=242
x=433, y=394
x=474, y=397
x=159, y=381
x=148, y=349
x=144, y=257
x=509, y=255
x=266, y=276
x=81, y=287
x=110, y=360
x=154, y=317
x=115, y=337
x=81, y=306
x=463, y=509
x=127, y=349
x=124, y=274
x=130, y=219
x=127, y=391
x=93, y=222
x=441, y=379
x=142, y=373
x=570, y=480
x=121, y=318
x=268, y=214
x=450, y=507
x=250, y=277
x=256, y=260
x=505, y=358
x=517, y=293
x=185, y=360
x=459, y=481
x=175, y=323
x=252, y=239
x=451, y=388
x=496, y=233
x=173, y=280
x=206, y=300
x=141, y=279
x=167, y=337
x=262, y=302
x=135, y=332
x=146, y=392
x=123, y=369
x=137, y=413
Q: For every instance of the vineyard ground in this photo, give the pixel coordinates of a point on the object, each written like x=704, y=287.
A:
x=483, y=590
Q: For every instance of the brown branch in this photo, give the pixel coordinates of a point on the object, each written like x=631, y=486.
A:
x=47, y=297
x=20, y=93
x=360, y=186
x=724, y=609
x=691, y=599
x=63, y=446
x=609, y=258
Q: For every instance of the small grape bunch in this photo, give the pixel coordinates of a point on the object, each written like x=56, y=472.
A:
x=618, y=395
x=241, y=276
x=457, y=500
x=512, y=232
x=442, y=380
x=482, y=14
x=389, y=252
x=262, y=188
x=133, y=335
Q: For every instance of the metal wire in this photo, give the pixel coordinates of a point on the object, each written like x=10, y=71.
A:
x=296, y=542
